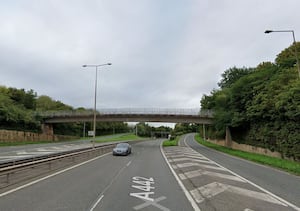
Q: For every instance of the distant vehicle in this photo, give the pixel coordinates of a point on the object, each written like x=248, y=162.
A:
x=122, y=149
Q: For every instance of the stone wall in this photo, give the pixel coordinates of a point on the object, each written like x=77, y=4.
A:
x=248, y=148
x=20, y=136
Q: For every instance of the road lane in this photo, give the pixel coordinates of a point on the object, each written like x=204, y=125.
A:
x=11, y=153
x=147, y=184
x=280, y=183
x=140, y=181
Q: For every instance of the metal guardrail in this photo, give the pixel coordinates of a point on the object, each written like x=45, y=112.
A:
x=134, y=111
x=22, y=170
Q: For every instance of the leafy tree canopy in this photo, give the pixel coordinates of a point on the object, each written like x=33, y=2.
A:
x=261, y=105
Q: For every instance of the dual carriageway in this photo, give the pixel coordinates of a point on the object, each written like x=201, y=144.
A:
x=187, y=177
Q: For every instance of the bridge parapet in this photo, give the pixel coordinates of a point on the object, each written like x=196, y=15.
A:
x=133, y=111
x=131, y=115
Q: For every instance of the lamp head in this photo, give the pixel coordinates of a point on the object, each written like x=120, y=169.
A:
x=268, y=31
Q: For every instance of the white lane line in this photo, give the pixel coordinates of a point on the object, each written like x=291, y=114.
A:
x=109, y=185
x=51, y=175
x=255, y=185
x=197, y=173
x=215, y=188
x=97, y=202
x=186, y=192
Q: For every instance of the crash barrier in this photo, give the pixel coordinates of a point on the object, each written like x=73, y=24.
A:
x=20, y=171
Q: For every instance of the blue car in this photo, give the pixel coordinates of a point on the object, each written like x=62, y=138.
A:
x=122, y=149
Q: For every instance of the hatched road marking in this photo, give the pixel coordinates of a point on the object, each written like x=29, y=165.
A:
x=215, y=188
x=205, y=179
x=197, y=173
x=6, y=156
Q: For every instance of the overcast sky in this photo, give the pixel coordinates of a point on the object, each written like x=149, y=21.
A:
x=164, y=53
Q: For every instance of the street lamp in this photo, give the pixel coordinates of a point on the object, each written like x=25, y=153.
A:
x=295, y=49
x=95, y=98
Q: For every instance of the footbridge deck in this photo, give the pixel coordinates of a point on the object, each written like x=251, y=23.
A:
x=131, y=115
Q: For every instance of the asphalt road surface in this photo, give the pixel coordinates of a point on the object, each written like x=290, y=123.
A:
x=140, y=181
x=279, y=183
x=9, y=153
x=193, y=178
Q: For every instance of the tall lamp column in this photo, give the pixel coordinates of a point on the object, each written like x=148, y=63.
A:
x=95, y=98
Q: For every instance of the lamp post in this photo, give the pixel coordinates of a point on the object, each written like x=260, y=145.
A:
x=95, y=98
x=294, y=42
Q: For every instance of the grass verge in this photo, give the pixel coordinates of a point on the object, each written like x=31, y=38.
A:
x=169, y=143
x=286, y=165
x=125, y=137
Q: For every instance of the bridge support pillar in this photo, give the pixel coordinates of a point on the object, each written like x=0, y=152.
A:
x=47, y=129
x=203, y=129
x=228, y=140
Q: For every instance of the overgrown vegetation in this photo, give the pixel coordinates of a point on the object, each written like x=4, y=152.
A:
x=18, y=109
x=145, y=130
x=290, y=166
x=124, y=137
x=260, y=105
x=174, y=142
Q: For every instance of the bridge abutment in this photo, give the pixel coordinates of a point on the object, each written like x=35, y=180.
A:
x=228, y=139
x=47, y=129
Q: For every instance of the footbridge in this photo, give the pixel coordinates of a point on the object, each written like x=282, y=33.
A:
x=131, y=115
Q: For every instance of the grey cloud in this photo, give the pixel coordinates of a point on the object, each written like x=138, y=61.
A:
x=164, y=53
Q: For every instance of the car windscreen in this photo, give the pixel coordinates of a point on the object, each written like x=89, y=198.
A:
x=122, y=145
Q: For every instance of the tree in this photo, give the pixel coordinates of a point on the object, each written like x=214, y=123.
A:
x=287, y=58
x=260, y=105
x=231, y=75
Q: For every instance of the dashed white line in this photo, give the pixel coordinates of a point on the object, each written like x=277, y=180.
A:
x=96, y=203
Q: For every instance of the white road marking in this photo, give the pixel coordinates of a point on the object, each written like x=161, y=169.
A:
x=186, y=192
x=108, y=186
x=51, y=175
x=197, y=173
x=33, y=153
x=128, y=163
x=187, y=156
x=153, y=203
x=12, y=156
x=184, y=165
x=215, y=188
x=190, y=159
x=255, y=185
x=96, y=203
